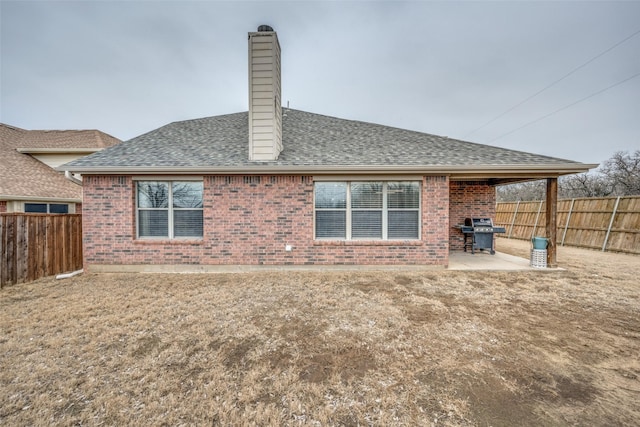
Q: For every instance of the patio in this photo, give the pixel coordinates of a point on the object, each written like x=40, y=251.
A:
x=484, y=261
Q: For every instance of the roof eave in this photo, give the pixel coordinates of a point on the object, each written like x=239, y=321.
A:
x=29, y=150
x=456, y=171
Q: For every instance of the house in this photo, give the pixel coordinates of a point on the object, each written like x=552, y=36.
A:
x=278, y=186
x=28, y=181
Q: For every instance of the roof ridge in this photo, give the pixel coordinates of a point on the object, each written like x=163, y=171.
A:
x=312, y=142
x=12, y=127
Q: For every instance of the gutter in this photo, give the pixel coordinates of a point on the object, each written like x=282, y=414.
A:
x=551, y=170
x=32, y=150
x=70, y=177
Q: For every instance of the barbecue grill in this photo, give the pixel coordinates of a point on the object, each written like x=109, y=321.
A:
x=478, y=234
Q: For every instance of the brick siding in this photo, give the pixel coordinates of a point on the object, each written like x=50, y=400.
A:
x=248, y=220
x=469, y=199
x=3, y=205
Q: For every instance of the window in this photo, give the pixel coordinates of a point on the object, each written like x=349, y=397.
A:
x=367, y=210
x=35, y=207
x=331, y=210
x=169, y=209
x=54, y=208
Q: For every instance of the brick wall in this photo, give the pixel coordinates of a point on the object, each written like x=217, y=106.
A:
x=248, y=220
x=469, y=199
x=3, y=205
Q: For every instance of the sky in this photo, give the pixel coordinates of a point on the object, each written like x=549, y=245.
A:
x=450, y=68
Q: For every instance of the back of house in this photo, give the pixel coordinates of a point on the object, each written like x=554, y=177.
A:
x=279, y=186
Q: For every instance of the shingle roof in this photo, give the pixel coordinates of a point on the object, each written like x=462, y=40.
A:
x=90, y=138
x=22, y=176
x=309, y=140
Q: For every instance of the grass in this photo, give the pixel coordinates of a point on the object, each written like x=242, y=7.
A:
x=334, y=348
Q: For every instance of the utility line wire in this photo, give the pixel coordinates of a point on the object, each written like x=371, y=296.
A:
x=565, y=107
x=552, y=84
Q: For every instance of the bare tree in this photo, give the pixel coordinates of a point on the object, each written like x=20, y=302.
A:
x=585, y=185
x=623, y=171
x=522, y=191
x=187, y=194
x=618, y=176
x=153, y=194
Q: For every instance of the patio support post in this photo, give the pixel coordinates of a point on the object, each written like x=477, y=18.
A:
x=552, y=220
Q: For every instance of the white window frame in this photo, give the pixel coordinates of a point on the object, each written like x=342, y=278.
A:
x=385, y=210
x=48, y=204
x=170, y=214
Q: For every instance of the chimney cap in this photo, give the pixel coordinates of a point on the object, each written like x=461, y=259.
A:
x=263, y=28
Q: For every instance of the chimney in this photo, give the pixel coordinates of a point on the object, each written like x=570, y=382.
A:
x=265, y=107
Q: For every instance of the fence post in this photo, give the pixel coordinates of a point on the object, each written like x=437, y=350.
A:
x=564, y=234
x=537, y=218
x=513, y=220
x=586, y=228
x=613, y=215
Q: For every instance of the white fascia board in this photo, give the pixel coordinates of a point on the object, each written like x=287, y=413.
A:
x=485, y=171
x=28, y=150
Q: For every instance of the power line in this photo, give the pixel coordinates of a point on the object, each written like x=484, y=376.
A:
x=553, y=83
x=565, y=107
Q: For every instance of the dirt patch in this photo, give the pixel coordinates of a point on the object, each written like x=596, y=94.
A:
x=146, y=345
x=333, y=348
x=237, y=355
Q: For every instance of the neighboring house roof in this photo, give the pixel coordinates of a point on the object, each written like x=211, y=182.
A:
x=313, y=143
x=67, y=140
x=22, y=177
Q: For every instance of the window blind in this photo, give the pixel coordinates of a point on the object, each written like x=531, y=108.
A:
x=170, y=209
x=367, y=210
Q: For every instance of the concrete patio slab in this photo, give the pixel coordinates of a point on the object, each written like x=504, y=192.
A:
x=485, y=261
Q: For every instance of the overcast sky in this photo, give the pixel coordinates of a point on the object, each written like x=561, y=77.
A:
x=446, y=68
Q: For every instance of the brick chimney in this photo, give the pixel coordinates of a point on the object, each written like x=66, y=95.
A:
x=265, y=106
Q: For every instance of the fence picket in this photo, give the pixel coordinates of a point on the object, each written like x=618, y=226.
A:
x=37, y=245
x=603, y=223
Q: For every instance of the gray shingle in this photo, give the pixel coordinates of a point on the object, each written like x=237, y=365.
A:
x=308, y=139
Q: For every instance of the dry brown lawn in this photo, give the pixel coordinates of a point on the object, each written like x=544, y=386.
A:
x=328, y=348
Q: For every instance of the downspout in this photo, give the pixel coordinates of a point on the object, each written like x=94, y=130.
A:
x=70, y=177
x=68, y=275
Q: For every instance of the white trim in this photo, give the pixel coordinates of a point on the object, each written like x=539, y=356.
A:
x=10, y=198
x=28, y=150
x=348, y=210
x=71, y=207
x=484, y=171
x=170, y=212
x=17, y=206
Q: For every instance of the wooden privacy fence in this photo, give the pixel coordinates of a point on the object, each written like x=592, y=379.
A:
x=607, y=224
x=38, y=245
